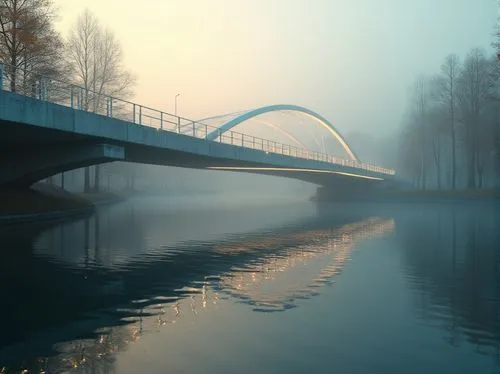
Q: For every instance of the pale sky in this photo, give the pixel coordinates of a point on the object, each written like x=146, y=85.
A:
x=350, y=60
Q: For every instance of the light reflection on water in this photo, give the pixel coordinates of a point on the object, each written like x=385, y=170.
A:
x=98, y=286
x=330, y=249
x=310, y=261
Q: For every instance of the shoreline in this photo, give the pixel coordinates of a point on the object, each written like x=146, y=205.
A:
x=22, y=218
x=45, y=203
x=414, y=196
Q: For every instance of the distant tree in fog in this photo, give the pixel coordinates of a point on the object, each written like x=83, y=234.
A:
x=417, y=123
x=454, y=124
x=446, y=95
x=29, y=41
x=473, y=90
x=495, y=80
x=422, y=138
x=437, y=130
x=410, y=148
x=96, y=60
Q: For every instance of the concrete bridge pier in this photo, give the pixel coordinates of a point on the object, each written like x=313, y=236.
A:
x=351, y=189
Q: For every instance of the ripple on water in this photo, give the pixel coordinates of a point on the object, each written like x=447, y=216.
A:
x=130, y=292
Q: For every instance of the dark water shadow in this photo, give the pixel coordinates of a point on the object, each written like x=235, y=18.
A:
x=451, y=259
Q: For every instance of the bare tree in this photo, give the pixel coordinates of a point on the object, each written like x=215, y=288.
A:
x=457, y=120
x=425, y=137
x=447, y=96
x=436, y=131
x=28, y=40
x=420, y=108
x=410, y=148
x=96, y=59
x=495, y=86
x=472, y=94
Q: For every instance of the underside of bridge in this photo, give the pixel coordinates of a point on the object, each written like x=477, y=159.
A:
x=331, y=186
x=29, y=154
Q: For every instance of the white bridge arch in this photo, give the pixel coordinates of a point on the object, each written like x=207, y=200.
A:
x=240, y=118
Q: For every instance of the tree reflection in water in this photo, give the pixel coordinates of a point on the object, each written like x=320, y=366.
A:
x=452, y=260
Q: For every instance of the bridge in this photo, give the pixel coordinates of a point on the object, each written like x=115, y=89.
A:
x=50, y=126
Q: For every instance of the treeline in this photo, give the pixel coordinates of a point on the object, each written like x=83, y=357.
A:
x=90, y=56
x=451, y=133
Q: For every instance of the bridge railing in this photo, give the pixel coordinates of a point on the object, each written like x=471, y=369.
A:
x=45, y=88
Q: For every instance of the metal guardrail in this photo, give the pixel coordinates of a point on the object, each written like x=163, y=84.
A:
x=55, y=91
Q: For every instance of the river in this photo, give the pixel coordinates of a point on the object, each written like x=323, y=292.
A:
x=211, y=285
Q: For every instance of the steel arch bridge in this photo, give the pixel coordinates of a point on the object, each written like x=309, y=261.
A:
x=61, y=134
x=242, y=117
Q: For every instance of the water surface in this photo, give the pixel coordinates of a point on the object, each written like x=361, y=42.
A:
x=216, y=286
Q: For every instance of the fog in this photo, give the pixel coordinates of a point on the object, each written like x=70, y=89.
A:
x=352, y=61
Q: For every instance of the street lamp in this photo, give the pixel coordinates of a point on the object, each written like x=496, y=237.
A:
x=176, y=96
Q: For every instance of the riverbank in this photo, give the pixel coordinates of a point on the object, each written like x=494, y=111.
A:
x=43, y=202
x=409, y=196
x=464, y=195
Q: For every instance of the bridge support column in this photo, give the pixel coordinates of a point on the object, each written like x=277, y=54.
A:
x=351, y=190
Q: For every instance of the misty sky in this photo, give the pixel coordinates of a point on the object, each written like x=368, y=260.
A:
x=350, y=60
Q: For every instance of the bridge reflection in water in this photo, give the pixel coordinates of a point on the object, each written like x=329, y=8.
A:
x=270, y=272
x=275, y=282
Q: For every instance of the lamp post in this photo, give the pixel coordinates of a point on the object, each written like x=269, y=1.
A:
x=176, y=96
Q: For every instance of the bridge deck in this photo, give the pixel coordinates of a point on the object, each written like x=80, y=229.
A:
x=27, y=123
